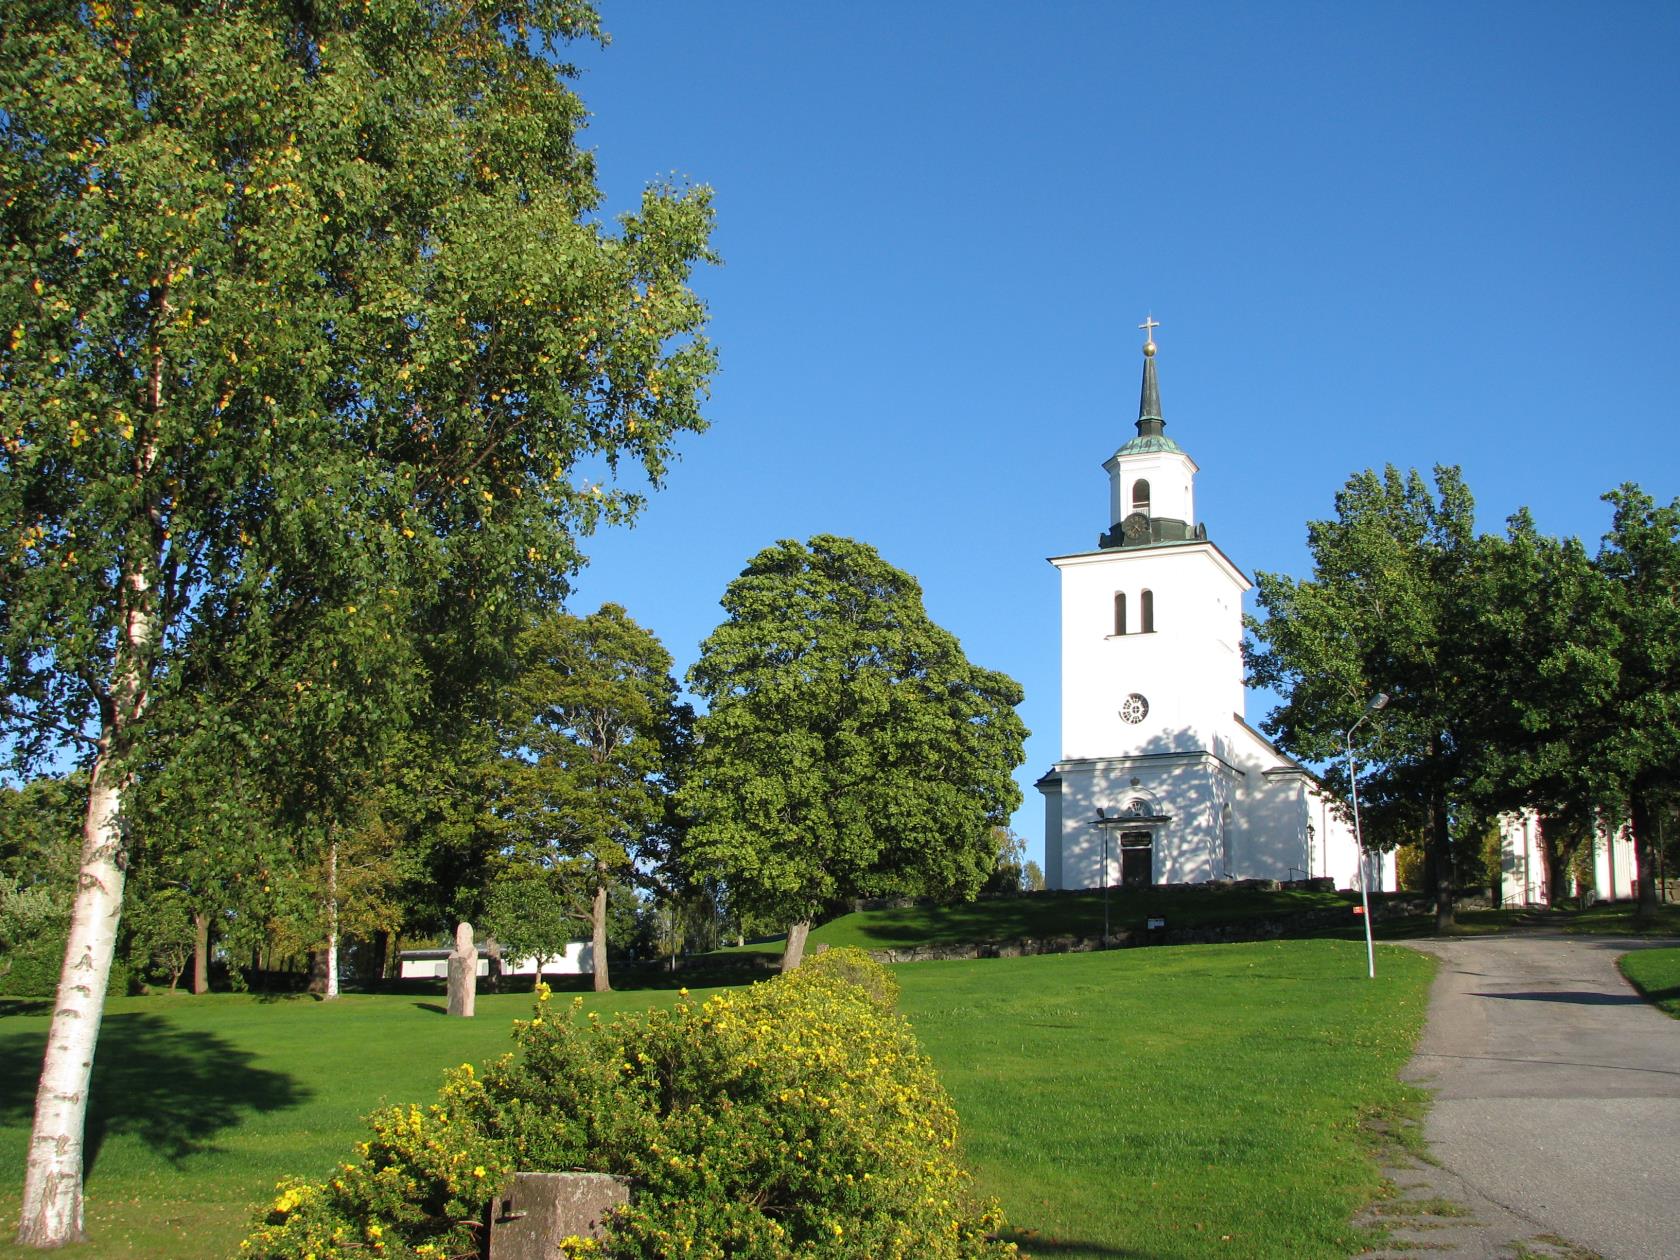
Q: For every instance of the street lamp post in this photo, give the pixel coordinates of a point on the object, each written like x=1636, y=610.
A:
x=1377, y=702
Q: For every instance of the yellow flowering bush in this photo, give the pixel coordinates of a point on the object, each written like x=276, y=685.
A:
x=417, y=1189
x=797, y=1117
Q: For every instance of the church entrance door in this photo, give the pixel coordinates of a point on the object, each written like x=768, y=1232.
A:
x=1137, y=859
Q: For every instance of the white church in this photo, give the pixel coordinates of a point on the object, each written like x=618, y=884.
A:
x=1161, y=780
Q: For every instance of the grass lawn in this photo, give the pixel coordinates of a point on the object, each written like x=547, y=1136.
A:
x=1656, y=974
x=201, y=1104
x=1175, y=1102
x=1133, y=1103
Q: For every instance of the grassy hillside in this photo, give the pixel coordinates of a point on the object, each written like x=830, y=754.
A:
x=1049, y=914
x=1128, y=1103
x=1179, y=1102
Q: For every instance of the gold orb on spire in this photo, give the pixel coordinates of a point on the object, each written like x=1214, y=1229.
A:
x=1149, y=325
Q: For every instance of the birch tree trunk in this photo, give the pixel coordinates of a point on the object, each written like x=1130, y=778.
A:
x=52, y=1187
x=598, y=939
x=332, y=918
x=51, y=1214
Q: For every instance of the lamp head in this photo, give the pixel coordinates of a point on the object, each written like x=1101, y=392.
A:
x=1378, y=701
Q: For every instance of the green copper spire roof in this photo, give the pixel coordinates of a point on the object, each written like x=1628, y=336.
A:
x=1151, y=438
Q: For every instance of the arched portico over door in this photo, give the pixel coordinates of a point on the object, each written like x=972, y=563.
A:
x=1133, y=830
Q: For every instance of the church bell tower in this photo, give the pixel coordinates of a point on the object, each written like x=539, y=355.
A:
x=1151, y=481
x=1151, y=670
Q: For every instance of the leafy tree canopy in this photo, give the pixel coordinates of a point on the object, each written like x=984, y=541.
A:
x=850, y=748
x=591, y=723
x=1385, y=611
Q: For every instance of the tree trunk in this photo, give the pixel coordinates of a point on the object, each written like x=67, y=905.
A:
x=1552, y=859
x=52, y=1188
x=51, y=1213
x=201, y=952
x=598, y=939
x=1644, y=856
x=1441, y=859
x=332, y=918
x=794, y=952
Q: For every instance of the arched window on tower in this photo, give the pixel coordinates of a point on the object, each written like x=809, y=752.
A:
x=1147, y=611
x=1140, y=496
x=1119, y=612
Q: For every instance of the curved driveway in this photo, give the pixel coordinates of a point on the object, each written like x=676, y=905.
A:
x=1557, y=1089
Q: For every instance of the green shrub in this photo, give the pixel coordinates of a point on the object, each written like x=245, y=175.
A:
x=797, y=1117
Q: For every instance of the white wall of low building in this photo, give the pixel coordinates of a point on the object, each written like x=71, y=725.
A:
x=578, y=960
x=1522, y=862
x=1615, y=866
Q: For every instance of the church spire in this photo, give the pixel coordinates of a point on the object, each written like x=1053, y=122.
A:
x=1149, y=421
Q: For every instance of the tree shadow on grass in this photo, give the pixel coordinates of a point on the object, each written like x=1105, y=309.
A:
x=1032, y=1243
x=174, y=1089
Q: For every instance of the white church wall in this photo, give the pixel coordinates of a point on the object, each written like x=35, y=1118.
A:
x=1052, y=834
x=1189, y=668
x=1272, y=837
x=1185, y=847
x=1336, y=853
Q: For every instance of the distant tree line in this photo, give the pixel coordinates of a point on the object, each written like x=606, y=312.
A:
x=1523, y=673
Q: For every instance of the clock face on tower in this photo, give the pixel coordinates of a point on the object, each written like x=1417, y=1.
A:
x=1135, y=528
x=1134, y=708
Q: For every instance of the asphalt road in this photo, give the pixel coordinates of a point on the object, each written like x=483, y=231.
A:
x=1557, y=1089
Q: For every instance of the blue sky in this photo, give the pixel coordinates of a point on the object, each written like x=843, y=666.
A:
x=1409, y=234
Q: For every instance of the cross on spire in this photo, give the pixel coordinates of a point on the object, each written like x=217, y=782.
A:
x=1149, y=325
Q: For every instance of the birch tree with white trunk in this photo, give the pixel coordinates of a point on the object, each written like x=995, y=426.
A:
x=315, y=360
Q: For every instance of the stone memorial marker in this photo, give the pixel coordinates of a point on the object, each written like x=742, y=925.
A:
x=463, y=973
x=528, y=1220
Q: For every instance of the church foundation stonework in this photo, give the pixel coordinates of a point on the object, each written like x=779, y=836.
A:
x=1161, y=780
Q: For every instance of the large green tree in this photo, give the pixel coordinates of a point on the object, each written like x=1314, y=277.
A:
x=1640, y=743
x=313, y=354
x=592, y=713
x=849, y=749
x=1575, y=670
x=1629, y=736
x=1385, y=610
x=1533, y=605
